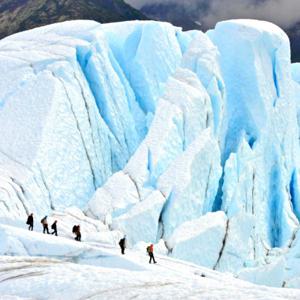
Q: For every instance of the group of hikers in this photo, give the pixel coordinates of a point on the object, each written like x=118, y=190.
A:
x=44, y=221
x=150, y=249
x=76, y=231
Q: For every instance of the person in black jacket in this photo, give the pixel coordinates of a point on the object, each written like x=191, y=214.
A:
x=122, y=244
x=54, y=228
x=76, y=231
x=45, y=225
x=30, y=222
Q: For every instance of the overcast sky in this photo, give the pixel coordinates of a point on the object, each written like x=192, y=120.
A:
x=282, y=12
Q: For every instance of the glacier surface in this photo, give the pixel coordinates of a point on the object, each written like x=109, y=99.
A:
x=187, y=138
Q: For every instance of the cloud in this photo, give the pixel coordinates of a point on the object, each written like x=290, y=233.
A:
x=140, y=3
x=188, y=4
x=284, y=13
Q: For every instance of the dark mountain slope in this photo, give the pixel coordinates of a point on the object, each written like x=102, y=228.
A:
x=294, y=35
x=19, y=15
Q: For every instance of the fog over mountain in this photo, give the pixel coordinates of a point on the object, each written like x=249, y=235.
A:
x=204, y=14
x=285, y=13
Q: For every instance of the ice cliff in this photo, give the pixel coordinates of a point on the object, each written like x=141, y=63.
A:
x=187, y=137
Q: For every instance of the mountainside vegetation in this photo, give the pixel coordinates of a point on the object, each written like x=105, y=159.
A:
x=20, y=15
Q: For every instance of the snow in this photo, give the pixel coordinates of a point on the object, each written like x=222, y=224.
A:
x=190, y=183
x=44, y=266
x=109, y=199
x=255, y=55
x=238, y=232
x=184, y=139
x=86, y=103
x=169, y=279
x=202, y=57
x=141, y=221
x=155, y=154
x=193, y=240
x=270, y=275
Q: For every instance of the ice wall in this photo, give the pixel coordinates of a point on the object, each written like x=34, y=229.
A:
x=260, y=111
x=72, y=111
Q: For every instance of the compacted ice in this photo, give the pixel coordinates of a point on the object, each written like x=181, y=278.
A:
x=184, y=137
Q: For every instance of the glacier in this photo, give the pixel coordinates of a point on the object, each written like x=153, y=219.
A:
x=188, y=140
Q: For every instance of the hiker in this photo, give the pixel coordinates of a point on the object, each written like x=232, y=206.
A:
x=54, y=227
x=45, y=225
x=150, y=252
x=30, y=222
x=122, y=244
x=76, y=231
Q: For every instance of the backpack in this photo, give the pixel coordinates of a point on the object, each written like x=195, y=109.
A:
x=148, y=249
x=53, y=226
x=75, y=229
x=122, y=242
x=42, y=221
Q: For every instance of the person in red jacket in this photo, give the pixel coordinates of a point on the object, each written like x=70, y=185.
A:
x=150, y=250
